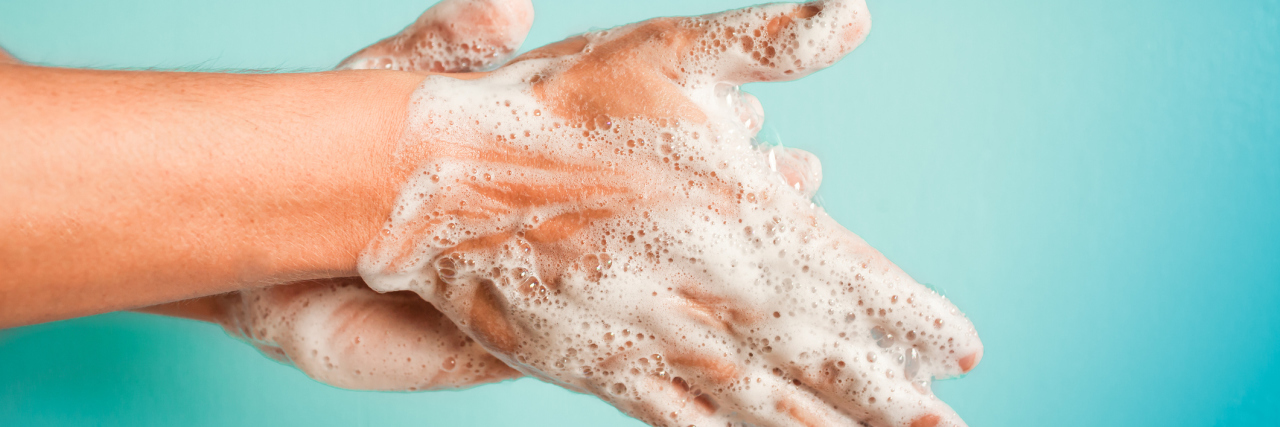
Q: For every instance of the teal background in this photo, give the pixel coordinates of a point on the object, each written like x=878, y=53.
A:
x=1095, y=182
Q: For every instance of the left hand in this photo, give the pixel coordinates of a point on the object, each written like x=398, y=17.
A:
x=338, y=331
x=341, y=333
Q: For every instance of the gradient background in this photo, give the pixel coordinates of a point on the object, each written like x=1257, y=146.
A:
x=1095, y=182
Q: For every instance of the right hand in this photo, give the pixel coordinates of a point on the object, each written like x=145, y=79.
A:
x=595, y=214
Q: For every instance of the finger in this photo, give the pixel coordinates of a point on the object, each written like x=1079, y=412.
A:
x=341, y=333
x=776, y=42
x=907, y=316
x=904, y=405
x=914, y=406
x=660, y=401
x=945, y=333
x=452, y=36
x=920, y=319
x=400, y=341
x=780, y=400
x=801, y=169
x=871, y=389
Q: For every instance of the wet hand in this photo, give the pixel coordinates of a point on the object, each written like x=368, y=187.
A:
x=596, y=214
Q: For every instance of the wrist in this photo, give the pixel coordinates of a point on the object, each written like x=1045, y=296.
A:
x=359, y=176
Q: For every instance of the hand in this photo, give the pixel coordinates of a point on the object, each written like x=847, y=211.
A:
x=339, y=331
x=595, y=214
x=343, y=334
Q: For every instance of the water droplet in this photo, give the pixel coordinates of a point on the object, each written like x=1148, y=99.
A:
x=446, y=269
x=592, y=263
x=883, y=338
x=602, y=122
x=530, y=284
x=449, y=364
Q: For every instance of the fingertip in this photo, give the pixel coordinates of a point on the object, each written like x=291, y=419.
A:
x=499, y=22
x=852, y=20
x=860, y=26
x=519, y=11
x=927, y=420
x=779, y=42
x=452, y=36
x=967, y=363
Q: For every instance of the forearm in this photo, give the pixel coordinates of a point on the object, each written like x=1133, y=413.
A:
x=210, y=309
x=125, y=189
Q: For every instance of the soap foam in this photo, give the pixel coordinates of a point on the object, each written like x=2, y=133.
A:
x=674, y=268
x=340, y=333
